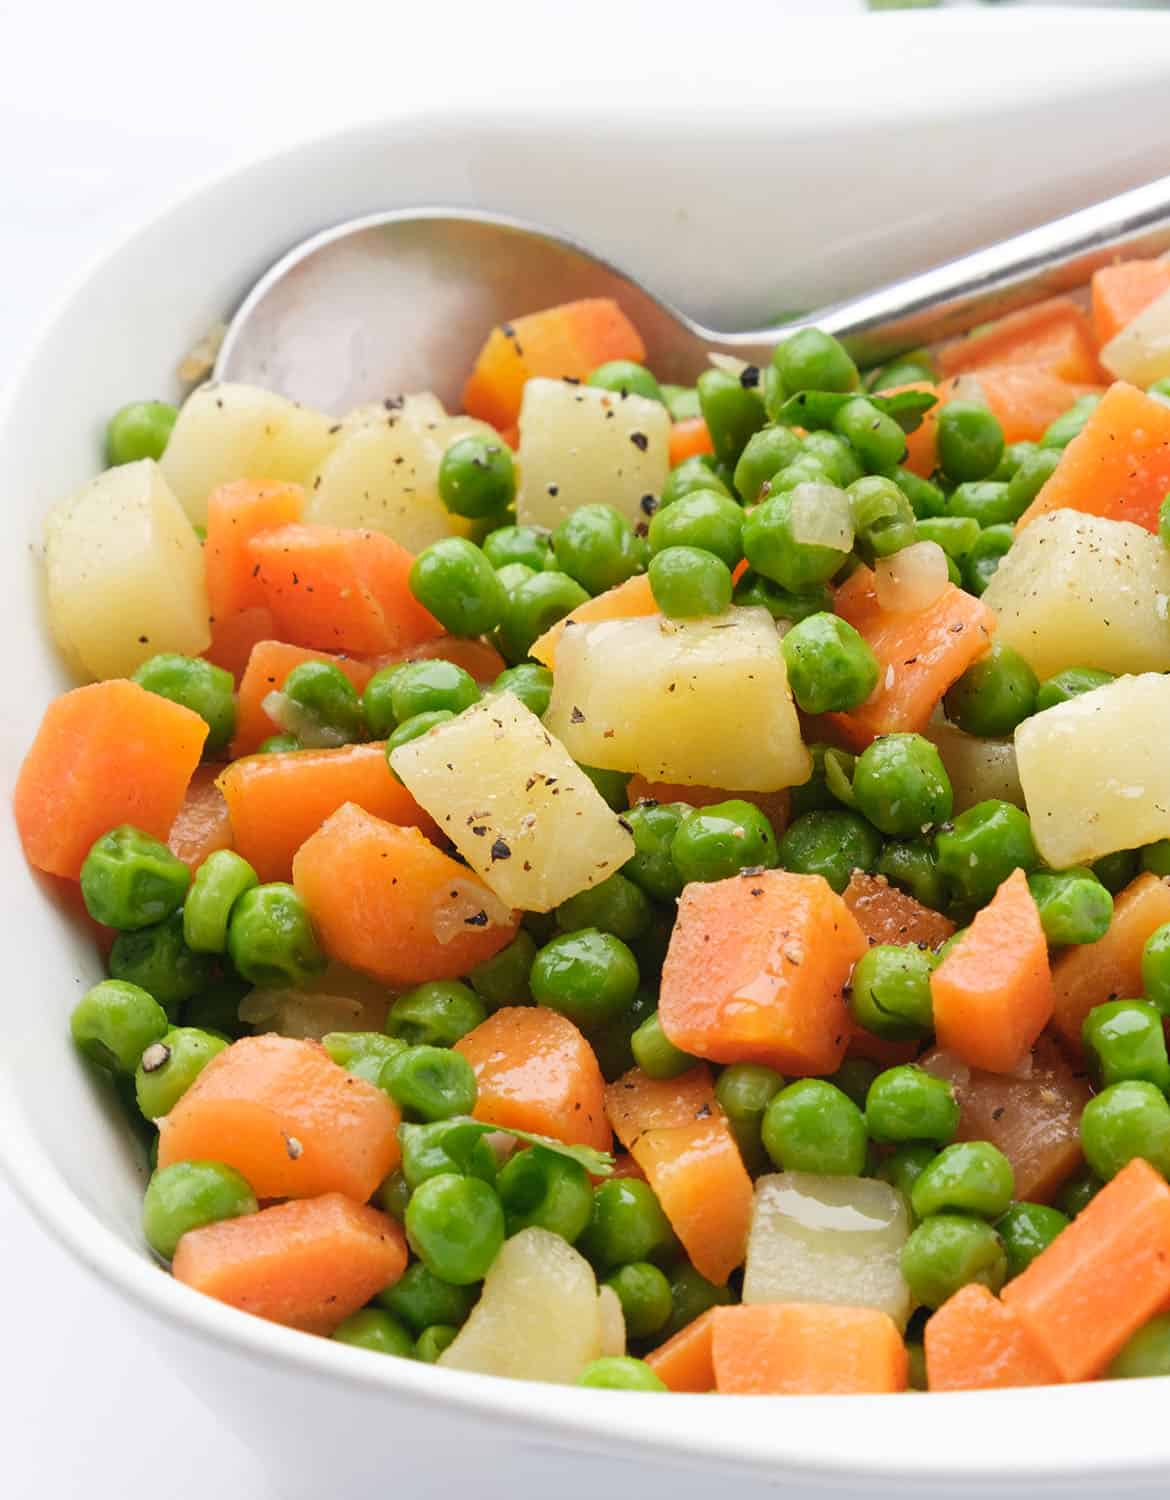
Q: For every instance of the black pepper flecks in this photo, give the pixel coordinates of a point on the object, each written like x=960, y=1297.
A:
x=640, y=441
x=500, y=850
x=749, y=377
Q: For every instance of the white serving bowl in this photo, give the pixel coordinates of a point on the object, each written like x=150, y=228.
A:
x=847, y=156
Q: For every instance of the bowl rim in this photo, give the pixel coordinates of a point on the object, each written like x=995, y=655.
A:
x=886, y=1438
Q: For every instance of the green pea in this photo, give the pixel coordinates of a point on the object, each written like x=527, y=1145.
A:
x=890, y=991
x=806, y=468
x=689, y=583
x=432, y=1341
x=140, y=430
x=279, y=744
x=732, y=408
x=1030, y=478
x=363, y=1053
x=158, y=960
x=626, y=1224
x=1026, y=1229
x=703, y=519
x=199, y=685
x=455, y=1225
x=435, y=1014
x=927, y=501
x=373, y=1328
x=681, y=401
x=530, y=545
x=814, y=795
x=1078, y=1192
x=512, y=575
x=270, y=937
x=1147, y=1352
x=811, y=1126
x=547, y=1190
x=113, y=1024
x=700, y=472
x=911, y=866
x=596, y=546
x=626, y=378
x=455, y=581
x=980, y=849
x=950, y=1251
x=588, y=976
x=883, y=522
x=1123, y=1121
x=613, y=785
x=994, y=694
x=653, y=826
x=1115, y=871
x=477, y=478
x=878, y=440
x=1070, y=424
x=613, y=1042
x=691, y=1295
x=908, y=1104
x=853, y=1078
x=956, y=535
x=616, y=905
x=168, y=1068
x=980, y=564
x=836, y=456
x=419, y=1299
x=327, y=700
x=1074, y=906
x=644, y=1293
x=217, y=1007
x=767, y=452
x=427, y=687
x=535, y=607
x=394, y=1194
x=716, y=842
x=503, y=979
x=832, y=843
x=814, y=361
x=755, y=591
x=442, y=1148
x=830, y=667
x=1069, y=684
x=1125, y=1040
x=900, y=784
x=906, y=1164
x=1015, y=455
x=186, y=1196
x=414, y=728
x=907, y=369
x=655, y=1053
x=970, y=441
x=744, y=1091
x=982, y=500
x=530, y=682
x=130, y=880
x=972, y=1177
x=620, y=1372
x=430, y=1083
x=1155, y=858
x=771, y=547
x=219, y=882
x=1156, y=968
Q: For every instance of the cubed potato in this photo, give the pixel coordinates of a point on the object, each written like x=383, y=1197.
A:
x=538, y=1317
x=1140, y=353
x=580, y=445
x=1095, y=773
x=613, y=1322
x=698, y=702
x=978, y=769
x=828, y=1239
x=1083, y=591
x=227, y=431
x=512, y=801
x=125, y=573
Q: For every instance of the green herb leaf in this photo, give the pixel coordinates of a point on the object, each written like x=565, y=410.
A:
x=818, y=409
x=596, y=1163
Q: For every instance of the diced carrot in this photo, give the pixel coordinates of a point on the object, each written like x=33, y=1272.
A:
x=686, y=1362
x=234, y=638
x=919, y=655
x=678, y=1134
x=688, y=439
x=775, y=806
x=235, y=514
x=535, y=1071
x=309, y=1264
x=1054, y=335
x=268, y=667
x=339, y=590
x=756, y=969
x=1102, y=1277
x=484, y=662
x=278, y=801
x=992, y=994
x=385, y=901
x=1033, y=1117
x=921, y=448
x=1110, y=969
x=975, y=1343
x=806, y=1349
x=105, y=754
x=288, y=1118
x=1117, y=466
x=203, y=825
x=1122, y=291
x=511, y=435
x=627, y=601
x=887, y=915
x=564, y=342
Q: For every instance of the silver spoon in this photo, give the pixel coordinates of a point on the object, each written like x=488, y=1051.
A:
x=401, y=301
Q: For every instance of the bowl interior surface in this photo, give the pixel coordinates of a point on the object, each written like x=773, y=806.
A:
x=892, y=145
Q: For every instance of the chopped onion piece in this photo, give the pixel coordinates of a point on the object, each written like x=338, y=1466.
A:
x=968, y=388
x=295, y=1013
x=819, y=515
x=947, y=1065
x=613, y=1322
x=293, y=719
x=730, y=364
x=466, y=906
x=911, y=580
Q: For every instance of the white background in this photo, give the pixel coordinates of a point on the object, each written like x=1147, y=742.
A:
x=106, y=110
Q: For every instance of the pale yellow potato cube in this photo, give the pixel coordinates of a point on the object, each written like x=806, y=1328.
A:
x=1140, y=353
x=828, y=1239
x=538, y=1316
x=1095, y=772
x=125, y=573
x=580, y=445
x=700, y=702
x=512, y=801
x=978, y=769
x=227, y=431
x=613, y=1323
x=1083, y=591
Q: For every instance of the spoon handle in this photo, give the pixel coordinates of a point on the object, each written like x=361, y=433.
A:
x=951, y=298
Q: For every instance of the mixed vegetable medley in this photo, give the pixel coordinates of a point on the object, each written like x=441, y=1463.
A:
x=651, y=887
